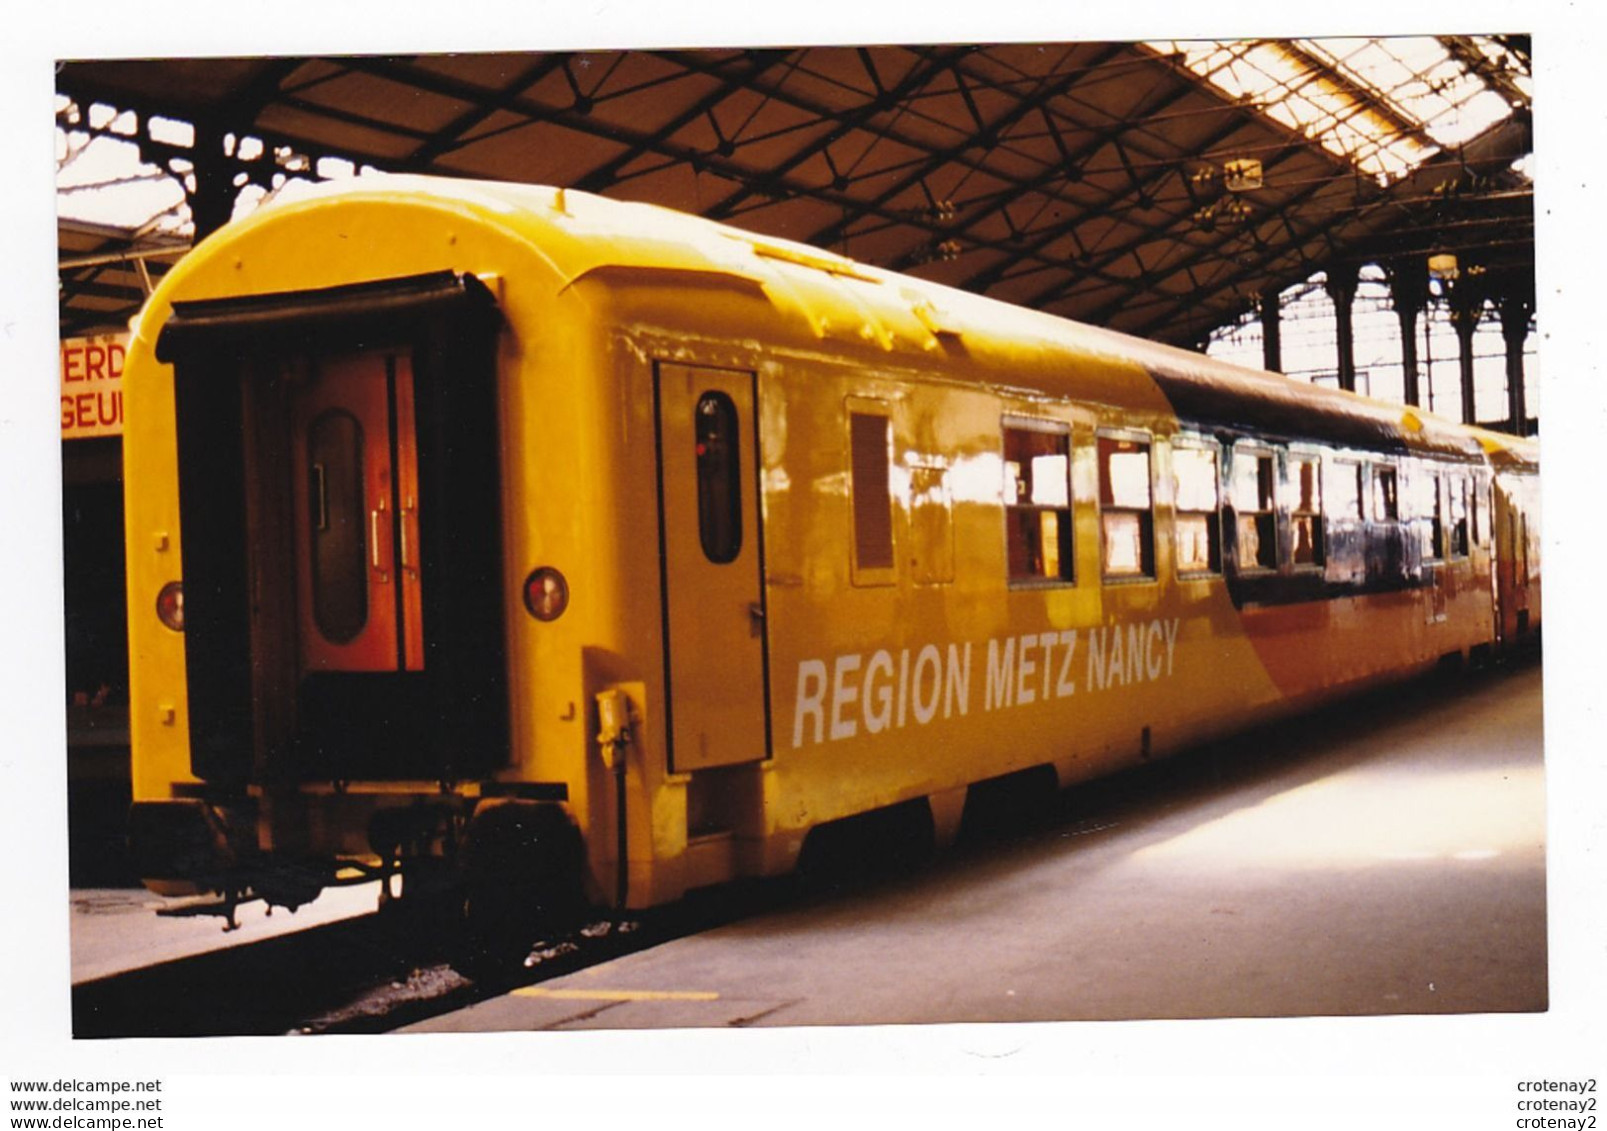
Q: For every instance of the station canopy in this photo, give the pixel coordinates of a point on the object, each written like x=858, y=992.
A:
x=1157, y=188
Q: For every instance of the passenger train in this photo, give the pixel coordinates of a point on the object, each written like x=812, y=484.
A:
x=587, y=552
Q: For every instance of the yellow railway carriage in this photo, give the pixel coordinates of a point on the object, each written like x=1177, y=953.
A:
x=526, y=532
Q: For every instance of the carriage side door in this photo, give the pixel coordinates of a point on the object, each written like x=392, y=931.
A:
x=712, y=567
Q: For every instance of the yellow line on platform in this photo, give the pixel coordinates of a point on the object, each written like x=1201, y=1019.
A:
x=617, y=995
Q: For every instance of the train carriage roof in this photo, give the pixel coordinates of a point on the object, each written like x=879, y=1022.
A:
x=880, y=313
x=1202, y=391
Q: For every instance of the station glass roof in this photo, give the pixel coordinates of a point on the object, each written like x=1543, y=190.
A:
x=1156, y=187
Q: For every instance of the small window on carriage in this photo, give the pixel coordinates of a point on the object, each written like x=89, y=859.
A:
x=1253, y=488
x=1126, y=515
x=719, y=479
x=1456, y=501
x=1429, y=504
x=1345, y=492
x=1478, y=510
x=335, y=512
x=1305, y=511
x=869, y=436
x=1386, y=497
x=1037, y=501
x=1198, y=509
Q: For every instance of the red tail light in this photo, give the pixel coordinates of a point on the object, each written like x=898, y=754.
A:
x=170, y=605
x=546, y=593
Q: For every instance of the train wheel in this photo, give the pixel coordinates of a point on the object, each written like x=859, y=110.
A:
x=427, y=910
x=521, y=865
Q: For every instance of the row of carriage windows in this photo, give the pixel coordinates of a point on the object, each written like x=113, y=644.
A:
x=1445, y=507
x=1445, y=504
x=1317, y=497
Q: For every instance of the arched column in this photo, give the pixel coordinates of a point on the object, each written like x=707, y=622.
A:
x=1516, y=305
x=1408, y=291
x=1467, y=306
x=204, y=168
x=1271, y=330
x=212, y=201
x=1341, y=287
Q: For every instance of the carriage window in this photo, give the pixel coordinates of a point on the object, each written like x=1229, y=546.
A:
x=872, y=494
x=1456, y=505
x=1254, y=476
x=335, y=511
x=1345, y=491
x=1199, y=525
x=719, y=479
x=1305, y=515
x=1478, y=513
x=1386, y=501
x=1037, y=503
x=1127, y=523
x=1430, y=504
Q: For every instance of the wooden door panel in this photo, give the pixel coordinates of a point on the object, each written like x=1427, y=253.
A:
x=355, y=493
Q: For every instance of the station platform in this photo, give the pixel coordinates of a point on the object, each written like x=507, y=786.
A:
x=1386, y=857
x=117, y=929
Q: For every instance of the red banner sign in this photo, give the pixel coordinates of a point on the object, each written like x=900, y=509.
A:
x=92, y=386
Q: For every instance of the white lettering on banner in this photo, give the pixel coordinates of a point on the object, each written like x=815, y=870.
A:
x=811, y=690
x=928, y=661
x=842, y=695
x=929, y=681
x=878, y=717
x=957, y=691
x=1000, y=663
x=92, y=386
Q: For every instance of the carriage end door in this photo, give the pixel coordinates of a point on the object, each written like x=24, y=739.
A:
x=355, y=470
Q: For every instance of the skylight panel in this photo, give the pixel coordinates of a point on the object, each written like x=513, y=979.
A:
x=1515, y=70
x=1417, y=78
x=1387, y=105
x=1483, y=110
x=1295, y=91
